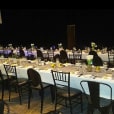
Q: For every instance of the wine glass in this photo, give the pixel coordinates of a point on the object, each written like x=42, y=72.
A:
x=105, y=65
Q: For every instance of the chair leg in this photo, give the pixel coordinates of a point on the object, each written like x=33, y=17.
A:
x=70, y=104
x=90, y=110
x=2, y=90
x=55, y=103
x=105, y=110
x=9, y=89
x=66, y=102
x=29, y=97
x=113, y=107
x=81, y=103
x=42, y=99
x=52, y=89
x=1, y=107
x=20, y=92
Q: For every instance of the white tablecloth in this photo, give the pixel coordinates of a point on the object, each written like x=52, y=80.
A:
x=75, y=80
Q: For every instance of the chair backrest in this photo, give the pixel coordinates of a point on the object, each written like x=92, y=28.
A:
x=1, y=76
x=34, y=77
x=61, y=79
x=92, y=90
x=21, y=52
x=77, y=56
x=10, y=71
x=63, y=56
x=57, y=56
x=110, y=58
x=40, y=54
x=50, y=55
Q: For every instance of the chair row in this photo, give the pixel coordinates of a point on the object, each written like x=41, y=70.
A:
x=63, y=56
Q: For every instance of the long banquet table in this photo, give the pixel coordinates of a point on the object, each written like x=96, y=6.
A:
x=45, y=72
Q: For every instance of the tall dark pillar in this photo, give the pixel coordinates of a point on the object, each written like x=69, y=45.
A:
x=71, y=36
x=0, y=17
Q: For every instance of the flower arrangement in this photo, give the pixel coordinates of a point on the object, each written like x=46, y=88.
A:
x=89, y=62
x=10, y=45
x=60, y=45
x=89, y=59
x=32, y=45
x=74, y=48
x=53, y=65
x=93, y=45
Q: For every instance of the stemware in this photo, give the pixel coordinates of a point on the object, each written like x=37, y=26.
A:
x=105, y=65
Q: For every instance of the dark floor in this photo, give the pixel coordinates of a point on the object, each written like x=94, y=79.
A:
x=16, y=108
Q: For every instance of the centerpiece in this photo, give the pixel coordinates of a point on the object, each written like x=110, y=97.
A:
x=89, y=62
x=93, y=46
x=60, y=46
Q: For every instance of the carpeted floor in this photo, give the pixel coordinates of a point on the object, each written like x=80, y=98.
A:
x=16, y=108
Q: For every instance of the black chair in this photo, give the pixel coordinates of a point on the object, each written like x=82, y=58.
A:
x=94, y=98
x=63, y=56
x=30, y=55
x=37, y=84
x=3, y=80
x=50, y=55
x=97, y=61
x=4, y=107
x=75, y=57
x=19, y=84
x=110, y=59
x=63, y=91
x=21, y=52
x=57, y=56
x=40, y=54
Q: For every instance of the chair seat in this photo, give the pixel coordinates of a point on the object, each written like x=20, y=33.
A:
x=21, y=81
x=104, y=107
x=105, y=102
x=73, y=92
x=39, y=87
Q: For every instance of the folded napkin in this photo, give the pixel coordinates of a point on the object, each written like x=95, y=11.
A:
x=112, y=69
